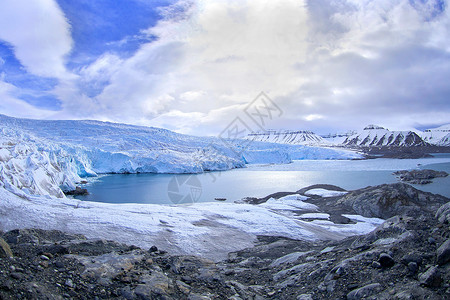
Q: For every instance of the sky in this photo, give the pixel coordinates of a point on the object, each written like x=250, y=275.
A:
x=194, y=66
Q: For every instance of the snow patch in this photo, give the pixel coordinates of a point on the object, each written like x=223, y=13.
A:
x=324, y=193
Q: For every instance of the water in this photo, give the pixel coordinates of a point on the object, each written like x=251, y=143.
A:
x=259, y=181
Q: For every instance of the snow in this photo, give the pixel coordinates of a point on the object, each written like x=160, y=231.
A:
x=378, y=136
x=323, y=216
x=287, y=137
x=289, y=202
x=293, y=197
x=324, y=193
x=439, y=136
x=207, y=229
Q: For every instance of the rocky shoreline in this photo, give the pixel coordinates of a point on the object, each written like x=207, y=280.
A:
x=401, y=152
x=419, y=176
x=406, y=257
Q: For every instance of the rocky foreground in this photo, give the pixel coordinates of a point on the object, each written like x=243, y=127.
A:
x=407, y=257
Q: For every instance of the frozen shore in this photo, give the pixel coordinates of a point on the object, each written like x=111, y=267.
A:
x=207, y=229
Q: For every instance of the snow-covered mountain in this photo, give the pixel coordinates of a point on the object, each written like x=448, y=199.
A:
x=439, y=136
x=337, y=138
x=373, y=135
x=300, y=137
x=40, y=157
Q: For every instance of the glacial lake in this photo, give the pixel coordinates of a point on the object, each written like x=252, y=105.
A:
x=259, y=180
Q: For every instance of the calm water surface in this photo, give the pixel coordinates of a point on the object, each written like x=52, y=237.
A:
x=258, y=181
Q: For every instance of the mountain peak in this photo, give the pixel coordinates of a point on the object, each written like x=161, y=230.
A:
x=371, y=127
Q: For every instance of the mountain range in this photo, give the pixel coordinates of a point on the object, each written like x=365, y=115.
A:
x=370, y=136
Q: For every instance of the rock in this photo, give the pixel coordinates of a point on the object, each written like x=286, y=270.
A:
x=412, y=267
x=385, y=260
x=388, y=200
x=304, y=297
x=443, y=253
x=432, y=277
x=43, y=263
x=69, y=283
x=289, y=258
x=153, y=249
x=77, y=192
x=183, y=287
x=17, y=275
x=195, y=296
x=49, y=255
x=43, y=257
x=443, y=213
x=376, y=265
x=419, y=176
x=411, y=257
x=364, y=292
x=106, y=267
x=5, y=250
x=59, y=264
x=157, y=283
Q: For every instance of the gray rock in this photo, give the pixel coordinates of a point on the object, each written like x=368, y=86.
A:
x=412, y=257
x=5, y=250
x=432, y=277
x=365, y=291
x=419, y=176
x=195, y=296
x=385, y=260
x=376, y=265
x=443, y=213
x=412, y=267
x=44, y=257
x=387, y=200
x=305, y=297
x=107, y=265
x=289, y=258
x=443, y=253
x=17, y=275
x=69, y=283
x=155, y=284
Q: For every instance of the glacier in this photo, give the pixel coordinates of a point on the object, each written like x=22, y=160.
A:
x=41, y=159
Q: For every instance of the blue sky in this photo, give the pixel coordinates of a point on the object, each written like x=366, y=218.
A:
x=192, y=66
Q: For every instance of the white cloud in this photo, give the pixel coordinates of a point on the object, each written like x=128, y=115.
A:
x=325, y=63
x=12, y=106
x=40, y=34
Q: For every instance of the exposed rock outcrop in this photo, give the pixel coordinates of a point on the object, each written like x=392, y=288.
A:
x=387, y=200
x=419, y=176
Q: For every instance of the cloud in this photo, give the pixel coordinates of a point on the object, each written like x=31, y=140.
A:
x=11, y=105
x=39, y=33
x=329, y=65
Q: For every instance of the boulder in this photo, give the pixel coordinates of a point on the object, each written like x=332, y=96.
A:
x=443, y=253
x=385, y=260
x=364, y=292
x=77, y=192
x=431, y=278
x=5, y=250
x=387, y=200
x=443, y=213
